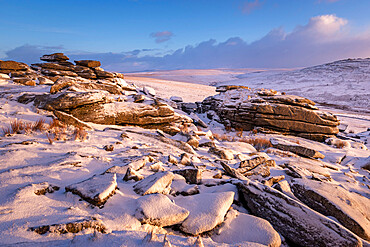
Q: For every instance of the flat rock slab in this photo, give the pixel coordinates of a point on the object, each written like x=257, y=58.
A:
x=350, y=209
x=240, y=227
x=207, y=210
x=95, y=190
x=71, y=227
x=159, y=210
x=296, y=148
x=159, y=182
x=294, y=220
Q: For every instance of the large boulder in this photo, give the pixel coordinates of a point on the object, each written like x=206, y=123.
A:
x=8, y=66
x=246, y=108
x=207, y=210
x=350, y=209
x=294, y=220
x=159, y=210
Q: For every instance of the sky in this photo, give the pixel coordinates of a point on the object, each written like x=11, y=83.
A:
x=138, y=35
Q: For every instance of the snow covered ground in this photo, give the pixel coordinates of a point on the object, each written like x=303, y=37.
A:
x=342, y=84
x=29, y=163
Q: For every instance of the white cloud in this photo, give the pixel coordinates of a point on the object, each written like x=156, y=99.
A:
x=323, y=39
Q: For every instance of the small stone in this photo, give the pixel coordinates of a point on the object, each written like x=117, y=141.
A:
x=172, y=159
x=139, y=98
x=156, y=167
x=192, y=176
x=223, y=153
x=109, y=148
x=185, y=159
x=132, y=174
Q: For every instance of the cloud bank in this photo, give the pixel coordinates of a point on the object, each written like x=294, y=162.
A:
x=323, y=39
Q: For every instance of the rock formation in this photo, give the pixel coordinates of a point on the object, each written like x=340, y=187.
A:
x=244, y=108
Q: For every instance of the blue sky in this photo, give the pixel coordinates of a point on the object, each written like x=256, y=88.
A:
x=171, y=34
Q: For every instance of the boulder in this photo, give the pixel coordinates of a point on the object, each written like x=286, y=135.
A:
x=25, y=81
x=55, y=57
x=159, y=182
x=246, y=109
x=240, y=227
x=295, y=221
x=222, y=153
x=350, y=209
x=71, y=120
x=51, y=72
x=6, y=66
x=132, y=174
x=101, y=74
x=149, y=91
x=4, y=76
x=159, y=210
x=95, y=190
x=61, y=83
x=192, y=175
x=51, y=66
x=296, y=148
x=88, y=63
x=207, y=210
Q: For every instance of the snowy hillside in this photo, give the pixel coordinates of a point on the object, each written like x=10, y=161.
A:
x=344, y=84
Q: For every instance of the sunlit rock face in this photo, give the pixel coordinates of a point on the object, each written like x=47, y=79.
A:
x=244, y=108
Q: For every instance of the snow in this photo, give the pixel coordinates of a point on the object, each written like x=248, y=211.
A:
x=158, y=209
x=27, y=168
x=207, y=210
x=240, y=227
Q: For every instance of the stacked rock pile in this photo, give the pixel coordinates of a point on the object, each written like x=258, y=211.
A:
x=56, y=65
x=245, y=108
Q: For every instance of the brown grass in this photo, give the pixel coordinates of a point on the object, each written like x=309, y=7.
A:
x=339, y=144
x=39, y=125
x=6, y=131
x=258, y=143
x=80, y=134
x=50, y=138
x=17, y=126
x=239, y=132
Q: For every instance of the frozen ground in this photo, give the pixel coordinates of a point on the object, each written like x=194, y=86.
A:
x=342, y=84
x=29, y=161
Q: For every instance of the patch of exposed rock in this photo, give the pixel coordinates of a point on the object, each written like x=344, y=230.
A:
x=350, y=209
x=295, y=221
x=159, y=182
x=95, y=190
x=71, y=227
x=245, y=108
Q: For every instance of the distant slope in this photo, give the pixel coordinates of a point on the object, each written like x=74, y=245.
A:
x=343, y=84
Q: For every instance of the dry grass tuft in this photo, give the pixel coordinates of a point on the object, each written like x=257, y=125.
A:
x=80, y=134
x=258, y=143
x=6, y=131
x=17, y=126
x=339, y=144
x=50, y=138
x=39, y=125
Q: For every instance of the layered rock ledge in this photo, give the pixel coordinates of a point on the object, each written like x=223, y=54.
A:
x=245, y=108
